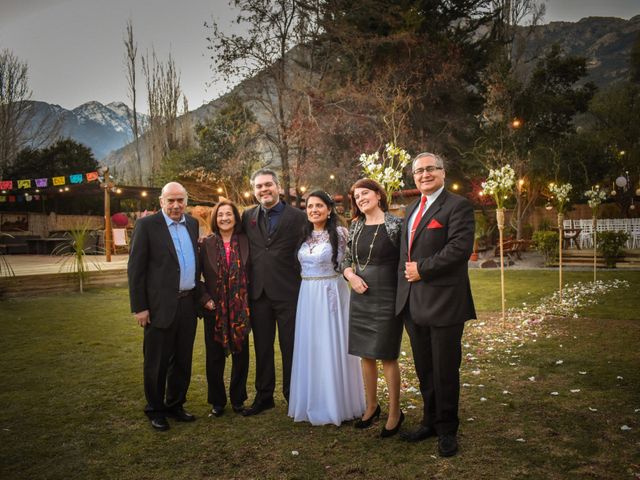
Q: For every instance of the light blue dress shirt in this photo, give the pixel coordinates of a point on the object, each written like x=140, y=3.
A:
x=184, y=250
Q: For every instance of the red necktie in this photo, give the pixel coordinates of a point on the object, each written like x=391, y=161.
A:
x=416, y=221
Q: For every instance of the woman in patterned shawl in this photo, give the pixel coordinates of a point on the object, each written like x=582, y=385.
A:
x=224, y=258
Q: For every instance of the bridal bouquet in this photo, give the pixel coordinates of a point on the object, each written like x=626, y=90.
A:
x=386, y=167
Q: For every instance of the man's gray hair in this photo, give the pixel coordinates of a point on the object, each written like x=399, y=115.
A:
x=439, y=160
x=265, y=171
x=171, y=184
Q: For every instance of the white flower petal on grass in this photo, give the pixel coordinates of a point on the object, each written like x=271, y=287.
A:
x=625, y=428
x=619, y=378
x=476, y=372
x=295, y=453
x=591, y=409
x=532, y=379
x=574, y=390
x=482, y=399
x=506, y=392
x=520, y=440
x=470, y=419
x=559, y=362
x=582, y=373
x=637, y=410
x=410, y=407
x=555, y=394
x=466, y=384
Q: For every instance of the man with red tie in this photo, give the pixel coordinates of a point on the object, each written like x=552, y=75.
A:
x=434, y=296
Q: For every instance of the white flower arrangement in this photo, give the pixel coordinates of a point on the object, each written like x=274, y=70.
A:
x=595, y=197
x=386, y=168
x=499, y=184
x=561, y=195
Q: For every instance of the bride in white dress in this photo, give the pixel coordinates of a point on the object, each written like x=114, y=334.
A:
x=326, y=382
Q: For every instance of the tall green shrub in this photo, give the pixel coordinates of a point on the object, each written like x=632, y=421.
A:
x=610, y=245
x=546, y=242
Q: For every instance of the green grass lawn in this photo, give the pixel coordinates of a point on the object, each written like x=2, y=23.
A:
x=71, y=400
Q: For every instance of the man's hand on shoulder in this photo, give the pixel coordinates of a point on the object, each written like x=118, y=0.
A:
x=142, y=318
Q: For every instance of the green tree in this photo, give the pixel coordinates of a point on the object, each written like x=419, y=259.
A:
x=527, y=123
x=278, y=53
x=225, y=157
x=64, y=157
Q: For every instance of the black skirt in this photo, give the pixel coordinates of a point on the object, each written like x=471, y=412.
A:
x=374, y=330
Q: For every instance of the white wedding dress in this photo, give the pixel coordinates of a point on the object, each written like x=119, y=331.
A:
x=326, y=382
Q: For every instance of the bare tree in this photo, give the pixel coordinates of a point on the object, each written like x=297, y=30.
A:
x=130, y=63
x=19, y=126
x=163, y=93
x=280, y=74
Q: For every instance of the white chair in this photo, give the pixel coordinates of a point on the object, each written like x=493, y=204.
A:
x=634, y=235
x=586, y=233
x=120, y=240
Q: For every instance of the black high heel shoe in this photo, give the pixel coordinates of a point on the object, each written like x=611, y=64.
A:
x=389, y=433
x=367, y=423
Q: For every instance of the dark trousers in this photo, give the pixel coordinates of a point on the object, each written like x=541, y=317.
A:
x=265, y=315
x=167, y=360
x=216, y=360
x=437, y=353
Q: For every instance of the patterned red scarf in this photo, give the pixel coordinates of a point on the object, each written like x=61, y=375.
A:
x=232, y=305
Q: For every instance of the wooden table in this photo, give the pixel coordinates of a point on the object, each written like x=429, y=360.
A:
x=571, y=235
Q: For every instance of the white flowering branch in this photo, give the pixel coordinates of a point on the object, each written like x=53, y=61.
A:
x=386, y=168
x=500, y=184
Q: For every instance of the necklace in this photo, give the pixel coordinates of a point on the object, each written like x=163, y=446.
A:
x=375, y=234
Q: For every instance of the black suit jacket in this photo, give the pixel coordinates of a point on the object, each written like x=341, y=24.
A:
x=274, y=267
x=442, y=296
x=154, y=270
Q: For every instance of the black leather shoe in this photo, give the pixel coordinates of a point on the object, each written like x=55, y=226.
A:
x=182, y=415
x=362, y=423
x=160, y=424
x=447, y=445
x=257, y=408
x=390, y=433
x=217, y=411
x=421, y=433
x=237, y=408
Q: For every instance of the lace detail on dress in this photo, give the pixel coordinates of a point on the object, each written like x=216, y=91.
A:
x=317, y=238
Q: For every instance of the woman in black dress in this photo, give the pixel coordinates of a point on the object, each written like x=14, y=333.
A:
x=370, y=266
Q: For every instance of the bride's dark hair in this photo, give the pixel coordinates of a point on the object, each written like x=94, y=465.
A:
x=331, y=226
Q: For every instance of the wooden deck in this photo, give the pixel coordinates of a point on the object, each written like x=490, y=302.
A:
x=43, y=274
x=584, y=258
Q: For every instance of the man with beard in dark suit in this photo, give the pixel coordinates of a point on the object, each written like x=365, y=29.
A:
x=274, y=229
x=434, y=296
x=162, y=274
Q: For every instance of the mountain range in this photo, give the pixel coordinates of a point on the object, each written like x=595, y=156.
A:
x=103, y=128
